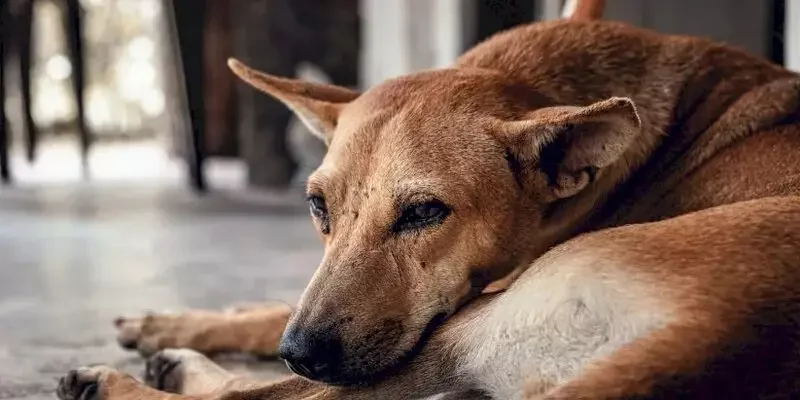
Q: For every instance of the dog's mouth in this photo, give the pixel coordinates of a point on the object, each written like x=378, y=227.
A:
x=366, y=378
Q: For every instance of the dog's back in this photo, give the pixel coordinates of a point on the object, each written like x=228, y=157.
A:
x=725, y=128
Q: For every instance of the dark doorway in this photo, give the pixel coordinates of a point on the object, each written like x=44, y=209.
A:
x=493, y=16
x=777, y=31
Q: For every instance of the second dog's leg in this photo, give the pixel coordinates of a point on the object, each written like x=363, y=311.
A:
x=249, y=329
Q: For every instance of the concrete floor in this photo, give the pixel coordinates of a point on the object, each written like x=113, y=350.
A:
x=74, y=256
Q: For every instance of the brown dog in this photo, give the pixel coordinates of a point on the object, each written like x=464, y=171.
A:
x=635, y=187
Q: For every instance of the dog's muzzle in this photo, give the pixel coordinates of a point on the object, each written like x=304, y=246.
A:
x=313, y=355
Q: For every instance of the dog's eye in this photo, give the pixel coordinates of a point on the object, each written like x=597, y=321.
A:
x=319, y=210
x=317, y=206
x=421, y=215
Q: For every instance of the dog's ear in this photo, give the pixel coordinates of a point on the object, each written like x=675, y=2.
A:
x=317, y=105
x=572, y=145
x=585, y=10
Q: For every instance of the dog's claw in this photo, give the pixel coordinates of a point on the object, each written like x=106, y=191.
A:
x=185, y=372
x=159, y=373
x=82, y=383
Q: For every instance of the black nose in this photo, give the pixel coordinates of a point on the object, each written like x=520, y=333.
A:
x=311, y=354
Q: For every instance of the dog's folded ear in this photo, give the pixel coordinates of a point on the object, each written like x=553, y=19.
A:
x=572, y=145
x=318, y=105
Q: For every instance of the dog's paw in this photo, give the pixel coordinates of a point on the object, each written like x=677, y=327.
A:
x=165, y=370
x=84, y=383
x=154, y=332
x=128, y=332
x=207, y=332
x=145, y=334
x=184, y=371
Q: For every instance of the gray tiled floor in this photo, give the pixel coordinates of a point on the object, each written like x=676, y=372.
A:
x=74, y=257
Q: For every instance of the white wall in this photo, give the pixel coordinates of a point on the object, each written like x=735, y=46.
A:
x=792, y=35
x=401, y=36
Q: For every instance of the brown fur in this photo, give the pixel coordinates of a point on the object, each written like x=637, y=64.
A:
x=732, y=274
x=239, y=329
x=534, y=137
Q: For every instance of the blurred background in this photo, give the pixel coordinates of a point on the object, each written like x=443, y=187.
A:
x=138, y=173
x=120, y=80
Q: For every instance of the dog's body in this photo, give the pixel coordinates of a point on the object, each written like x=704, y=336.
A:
x=582, y=310
x=676, y=265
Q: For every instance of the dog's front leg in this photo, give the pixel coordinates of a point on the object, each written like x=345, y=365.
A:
x=106, y=383
x=254, y=329
x=102, y=382
x=431, y=372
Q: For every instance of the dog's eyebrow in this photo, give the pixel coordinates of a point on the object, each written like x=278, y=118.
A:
x=315, y=184
x=420, y=189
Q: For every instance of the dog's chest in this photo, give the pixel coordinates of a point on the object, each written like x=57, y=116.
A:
x=546, y=328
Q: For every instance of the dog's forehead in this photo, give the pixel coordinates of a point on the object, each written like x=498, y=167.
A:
x=432, y=108
x=428, y=130
x=405, y=150
x=443, y=89
x=403, y=144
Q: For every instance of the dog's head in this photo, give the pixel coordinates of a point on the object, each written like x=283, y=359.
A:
x=434, y=185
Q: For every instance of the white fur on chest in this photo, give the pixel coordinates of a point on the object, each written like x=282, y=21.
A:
x=559, y=315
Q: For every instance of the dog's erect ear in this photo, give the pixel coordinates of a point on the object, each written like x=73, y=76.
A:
x=574, y=144
x=318, y=105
